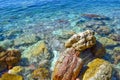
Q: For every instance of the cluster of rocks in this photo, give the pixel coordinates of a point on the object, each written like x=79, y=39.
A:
x=70, y=63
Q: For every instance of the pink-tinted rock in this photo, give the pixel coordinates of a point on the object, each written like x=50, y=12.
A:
x=68, y=65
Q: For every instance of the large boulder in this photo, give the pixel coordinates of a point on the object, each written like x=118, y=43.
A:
x=68, y=65
x=98, y=69
x=81, y=41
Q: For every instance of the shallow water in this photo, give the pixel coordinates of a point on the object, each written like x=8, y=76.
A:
x=48, y=18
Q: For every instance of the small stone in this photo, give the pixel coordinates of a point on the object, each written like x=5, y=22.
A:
x=41, y=74
x=115, y=37
x=107, y=42
x=98, y=69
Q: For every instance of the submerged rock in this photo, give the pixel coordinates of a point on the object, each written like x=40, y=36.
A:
x=26, y=39
x=37, y=49
x=6, y=44
x=68, y=65
x=107, y=42
x=7, y=76
x=95, y=17
x=41, y=74
x=103, y=30
x=98, y=69
x=115, y=37
x=9, y=58
x=81, y=41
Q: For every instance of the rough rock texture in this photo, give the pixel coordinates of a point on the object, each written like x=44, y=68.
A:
x=98, y=50
x=98, y=69
x=7, y=76
x=68, y=65
x=9, y=58
x=41, y=74
x=81, y=41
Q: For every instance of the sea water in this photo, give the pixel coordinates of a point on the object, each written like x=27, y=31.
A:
x=48, y=18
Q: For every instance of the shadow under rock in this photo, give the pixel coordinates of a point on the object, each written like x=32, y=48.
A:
x=24, y=62
x=108, y=57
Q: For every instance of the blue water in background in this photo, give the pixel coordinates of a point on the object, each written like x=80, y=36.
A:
x=20, y=13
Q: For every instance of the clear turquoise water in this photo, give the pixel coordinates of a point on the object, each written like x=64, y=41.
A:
x=27, y=14
x=51, y=16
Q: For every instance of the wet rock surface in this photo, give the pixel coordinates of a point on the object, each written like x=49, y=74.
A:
x=98, y=69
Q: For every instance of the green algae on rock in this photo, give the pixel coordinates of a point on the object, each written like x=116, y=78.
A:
x=98, y=69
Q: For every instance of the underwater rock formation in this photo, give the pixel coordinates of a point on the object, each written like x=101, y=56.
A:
x=98, y=69
x=81, y=41
x=115, y=37
x=9, y=58
x=107, y=42
x=7, y=76
x=25, y=40
x=95, y=17
x=41, y=74
x=68, y=65
x=36, y=50
x=103, y=30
